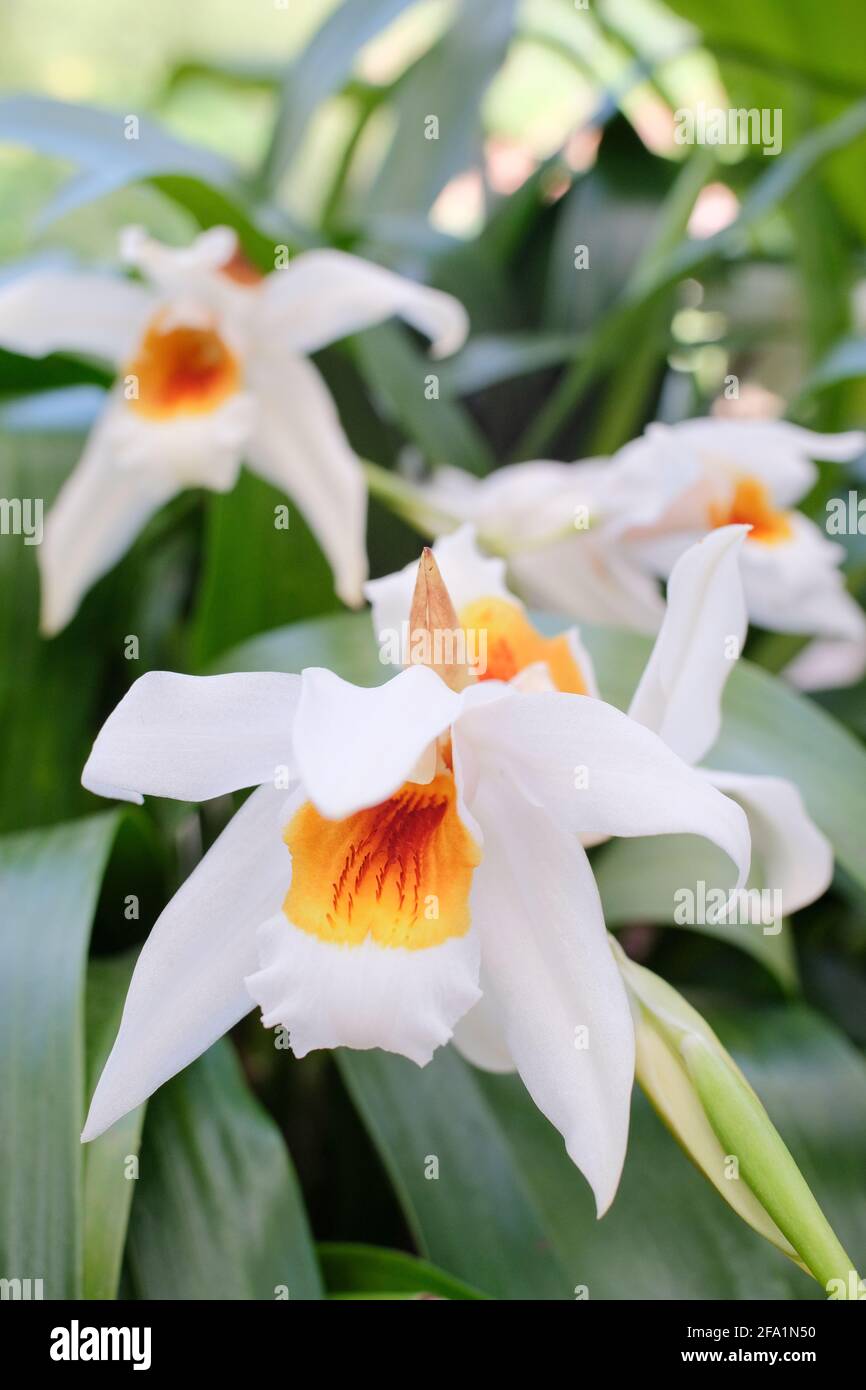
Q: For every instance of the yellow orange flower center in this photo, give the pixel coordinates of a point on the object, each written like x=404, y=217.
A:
x=398, y=873
x=182, y=371
x=751, y=505
x=512, y=644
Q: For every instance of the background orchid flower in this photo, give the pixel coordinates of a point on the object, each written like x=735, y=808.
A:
x=702, y=474
x=426, y=847
x=212, y=370
x=552, y=523
x=680, y=697
x=484, y=604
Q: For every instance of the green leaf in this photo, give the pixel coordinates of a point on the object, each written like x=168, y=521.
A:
x=323, y=67
x=108, y=1185
x=475, y=1218
x=358, y=1271
x=49, y=885
x=668, y=1235
x=255, y=574
x=396, y=372
x=491, y=358
x=616, y=331
x=95, y=140
x=217, y=1212
x=449, y=81
x=511, y=1215
x=844, y=362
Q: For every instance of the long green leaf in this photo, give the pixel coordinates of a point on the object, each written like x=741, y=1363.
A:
x=366, y=1271
x=321, y=70
x=217, y=1212
x=49, y=885
x=110, y=1160
x=466, y=1202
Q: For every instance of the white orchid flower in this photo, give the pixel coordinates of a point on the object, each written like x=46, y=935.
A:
x=427, y=842
x=701, y=474
x=678, y=697
x=212, y=370
x=552, y=523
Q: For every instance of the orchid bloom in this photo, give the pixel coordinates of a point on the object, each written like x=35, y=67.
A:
x=696, y=476
x=408, y=847
x=552, y=522
x=212, y=371
x=679, y=694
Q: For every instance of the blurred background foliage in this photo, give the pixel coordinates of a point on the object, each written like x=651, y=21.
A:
x=302, y=124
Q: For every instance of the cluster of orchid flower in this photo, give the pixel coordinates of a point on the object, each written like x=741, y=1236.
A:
x=424, y=878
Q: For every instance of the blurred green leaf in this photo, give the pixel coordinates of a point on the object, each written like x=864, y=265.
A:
x=319, y=71
x=254, y=574
x=493, y=357
x=803, y=59
x=846, y=361
x=448, y=83
x=613, y=335
x=397, y=372
x=358, y=1271
x=217, y=1212
x=97, y=141
x=49, y=886
x=108, y=1185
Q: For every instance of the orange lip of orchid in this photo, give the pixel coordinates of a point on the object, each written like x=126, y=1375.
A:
x=751, y=505
x=182, y=371
x=398, y=873
x=513, y=644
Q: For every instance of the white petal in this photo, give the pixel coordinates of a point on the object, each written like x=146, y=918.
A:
x=591, y=578
x=467, y=573
x=188, y=985
x=298, y=445
x=194, y=737
x=796, y=585
x=53, y=311
x=363, y=996
x=680, y=692
x=826, y=665
x=551, y=974
x=180, y=270
x=480, y=1036
x=788, y=849
x=98, y=513
x=596, y=771
x=325, y=295
x=354, y=747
